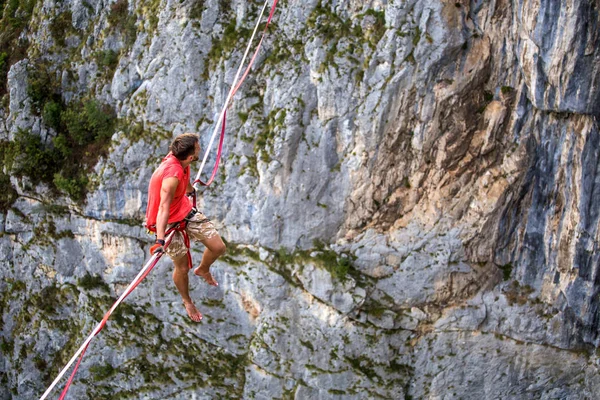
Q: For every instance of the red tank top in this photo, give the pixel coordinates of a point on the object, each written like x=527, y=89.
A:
x=181, y=205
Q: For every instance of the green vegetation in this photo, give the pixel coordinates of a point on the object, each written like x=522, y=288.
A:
x=36, y=161
x=7, y=346
x=108, y=59
x=120, y=19
x=150, y=9
x=197, y=9
x=89, y=282
x=118, y=13
x=101, y=372
x=89, y=123
x=15, y=18
x=506, y=271
x=376, y=311
x=60, y=26
x=45, y=234
x=307, y=344
x=392, y=372
x=335, y=30
x=284, y=257
x=375, y=34
x=234, y=251
x=286, y=50
x=83, y=132
x=488, y=96
x=338, y=265
x=224, y=46
x=275, y=120
x=330, y=25
x=364, y=365
x=243, y=117
x=8, y=194
x=332, y=28
x=395, y=366
x=3, y=66
x=84, y=135
x=251, y=167
x=417, y=37
x=218, y=303
x=487, y=99
x=506, y=89
x=17, y=13
x=39, y=362
x=515, y=293
x=56, y=307
x=50, y=299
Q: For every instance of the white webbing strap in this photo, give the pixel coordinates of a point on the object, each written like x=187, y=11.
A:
x=228, y=99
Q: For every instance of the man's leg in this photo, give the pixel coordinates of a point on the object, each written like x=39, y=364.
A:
x=214, y=249
x=180, y=277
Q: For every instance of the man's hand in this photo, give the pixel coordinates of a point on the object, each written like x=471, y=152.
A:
x=158, y=247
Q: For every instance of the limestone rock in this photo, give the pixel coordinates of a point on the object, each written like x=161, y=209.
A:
x=445, y=154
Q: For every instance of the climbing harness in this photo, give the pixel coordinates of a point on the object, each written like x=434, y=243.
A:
x=180, y=227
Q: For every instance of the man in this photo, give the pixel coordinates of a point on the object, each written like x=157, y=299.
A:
x=168, y=204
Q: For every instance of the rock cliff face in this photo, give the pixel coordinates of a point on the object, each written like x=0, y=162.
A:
x=409, y=197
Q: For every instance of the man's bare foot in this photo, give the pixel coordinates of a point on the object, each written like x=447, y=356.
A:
x=192, y=311
x=207, y=276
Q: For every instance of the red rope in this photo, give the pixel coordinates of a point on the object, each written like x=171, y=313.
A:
x=257, y=49
x=220, y=149
x=66, y=389
x=180, y=227
x=243, y=78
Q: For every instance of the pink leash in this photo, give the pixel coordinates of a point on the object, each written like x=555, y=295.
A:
x=242, y=79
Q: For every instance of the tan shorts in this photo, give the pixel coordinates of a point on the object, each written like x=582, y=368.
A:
x=198, y=228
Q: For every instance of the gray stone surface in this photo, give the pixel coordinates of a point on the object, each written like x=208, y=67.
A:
x=447, y=150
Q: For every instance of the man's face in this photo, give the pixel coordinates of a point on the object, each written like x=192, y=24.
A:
x=196, y=155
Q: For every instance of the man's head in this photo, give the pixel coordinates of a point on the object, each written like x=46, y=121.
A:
x=186, y=145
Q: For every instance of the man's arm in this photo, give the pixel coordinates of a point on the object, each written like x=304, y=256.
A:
x=167, y=192
x=190, y=188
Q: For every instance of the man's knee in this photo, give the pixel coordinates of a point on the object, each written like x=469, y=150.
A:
x=181, y=264
x=215, y=245
x=221, y=249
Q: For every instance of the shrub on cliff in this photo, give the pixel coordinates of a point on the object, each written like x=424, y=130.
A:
x=83, y=132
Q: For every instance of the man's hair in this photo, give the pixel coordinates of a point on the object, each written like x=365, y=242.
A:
x=184, y=145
